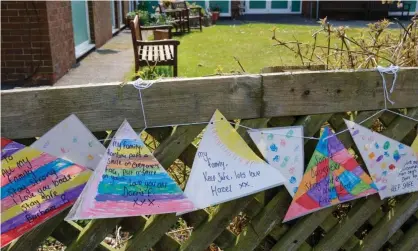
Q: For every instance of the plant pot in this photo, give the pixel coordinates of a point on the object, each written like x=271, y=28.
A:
x=215, y=16
x=207, y=21
x=128, y=20
x=161, y=34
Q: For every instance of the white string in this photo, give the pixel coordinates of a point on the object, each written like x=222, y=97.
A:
x=402, y=115
x=361, y=122
x=384, y=70
x=280, y=134
x=246, y=127
x=183, y=124
x=388, y=70
x=141, y=84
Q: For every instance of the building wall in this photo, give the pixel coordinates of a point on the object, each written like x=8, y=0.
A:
x=100, y=22
x=25, y=44
x=60, y=37
x=37, y=39
x=37, y=42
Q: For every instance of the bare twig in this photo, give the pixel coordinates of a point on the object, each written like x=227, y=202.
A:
x=377, y=46
x=239, y=63
x=329, y=43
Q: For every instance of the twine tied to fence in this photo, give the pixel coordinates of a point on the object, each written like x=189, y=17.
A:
x=141, y=84
x=392, y=69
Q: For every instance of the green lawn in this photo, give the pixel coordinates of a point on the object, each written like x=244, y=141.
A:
x=204, y=53
x=201, y=53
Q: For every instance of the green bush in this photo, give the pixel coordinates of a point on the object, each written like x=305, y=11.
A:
x=153, y=72
x=144, y=16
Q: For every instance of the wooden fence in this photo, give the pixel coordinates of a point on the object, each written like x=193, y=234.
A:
x=307, y=98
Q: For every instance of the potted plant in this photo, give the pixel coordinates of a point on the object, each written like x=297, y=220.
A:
x=130, y=16
x=215, y=13
x=144, y=16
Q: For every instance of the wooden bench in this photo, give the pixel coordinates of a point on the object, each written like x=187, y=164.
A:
x=176, y=15
x=189, y=14
x=153, y=53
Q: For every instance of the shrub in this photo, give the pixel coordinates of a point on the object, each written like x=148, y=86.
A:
x=144, y=16
x=378, y=45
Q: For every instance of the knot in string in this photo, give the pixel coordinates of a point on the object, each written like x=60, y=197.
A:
x=141, y=84
x=392, y=69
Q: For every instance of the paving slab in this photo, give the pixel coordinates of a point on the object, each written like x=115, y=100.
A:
x=109, y=63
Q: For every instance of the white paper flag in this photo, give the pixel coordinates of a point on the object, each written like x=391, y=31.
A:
x=129, y=181
x=71, y=140
x=392, y=165
x=282, y=148
x=225, y=168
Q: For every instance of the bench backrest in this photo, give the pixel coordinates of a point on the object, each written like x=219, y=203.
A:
x=135, y=29
x=136, y=36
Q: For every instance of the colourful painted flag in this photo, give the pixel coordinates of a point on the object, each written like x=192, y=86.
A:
x=128, y=181
x=35, y=186
x=333, y=176
x=392, y=165
x=282, y=148
x=225, y=168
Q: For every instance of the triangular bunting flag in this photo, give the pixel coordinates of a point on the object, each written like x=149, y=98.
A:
x=71, y=140
x=225, y=168
x=333, y=176
x=128, y=181
x=392, y=165
x=282, y=148
x=35, y=186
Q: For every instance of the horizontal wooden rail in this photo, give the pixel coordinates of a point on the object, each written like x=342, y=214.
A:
x=31, y=112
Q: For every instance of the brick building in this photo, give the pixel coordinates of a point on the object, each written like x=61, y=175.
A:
x=41, y=40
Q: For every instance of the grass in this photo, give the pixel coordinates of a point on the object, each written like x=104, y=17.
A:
x=204, y=53
x=214, y=50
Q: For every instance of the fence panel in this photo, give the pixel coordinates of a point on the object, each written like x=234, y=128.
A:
x=268, y=100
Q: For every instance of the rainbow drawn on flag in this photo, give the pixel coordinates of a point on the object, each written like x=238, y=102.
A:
x=333, y=176
x=35, y=187
x=129, y=181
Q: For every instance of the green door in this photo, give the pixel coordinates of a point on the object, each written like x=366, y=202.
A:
x=79, y=14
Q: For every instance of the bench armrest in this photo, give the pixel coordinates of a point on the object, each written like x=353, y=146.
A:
x=159, y=42
x=157, y=27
